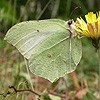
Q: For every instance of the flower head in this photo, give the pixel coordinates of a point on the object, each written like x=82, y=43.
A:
x=90, y=27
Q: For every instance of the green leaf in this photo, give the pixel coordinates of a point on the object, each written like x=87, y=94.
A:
x=76, y=50
x=47, y=46
x=54, y=97
x=7, y=13
x=2, y=43
x=89, y=96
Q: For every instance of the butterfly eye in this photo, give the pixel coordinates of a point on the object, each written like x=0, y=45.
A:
x=70, y=22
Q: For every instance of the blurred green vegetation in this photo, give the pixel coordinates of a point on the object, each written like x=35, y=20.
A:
x=12, y=67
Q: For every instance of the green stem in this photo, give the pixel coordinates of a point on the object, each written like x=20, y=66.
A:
x=27, y=67
x=43, y=10
x=19, y=19
x=99, y=72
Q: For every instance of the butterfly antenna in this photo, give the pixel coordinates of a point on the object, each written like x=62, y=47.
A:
x=74, y=11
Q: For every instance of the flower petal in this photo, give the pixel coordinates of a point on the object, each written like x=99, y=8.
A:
x=91, y=17
x=90, y=28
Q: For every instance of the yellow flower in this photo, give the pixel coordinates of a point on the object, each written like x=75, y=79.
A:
x=90, y=27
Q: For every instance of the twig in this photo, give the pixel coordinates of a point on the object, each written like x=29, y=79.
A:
x=5, y=94
x=30, y=90
x=24, y=90
x=56, y=94
x=75, y=80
